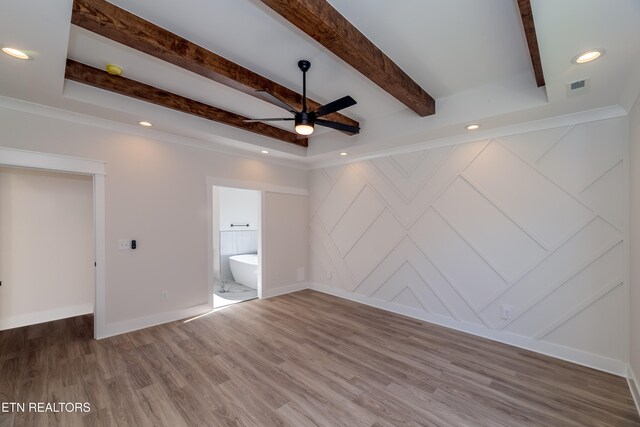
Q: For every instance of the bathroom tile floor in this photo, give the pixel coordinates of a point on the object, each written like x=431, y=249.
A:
x=227, y=293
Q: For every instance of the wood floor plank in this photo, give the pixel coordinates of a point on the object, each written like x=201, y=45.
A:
x=292, y=415
x=158, y=407
x=126, y=402
x=252, y=404
x=248, y=378
x=301, y=359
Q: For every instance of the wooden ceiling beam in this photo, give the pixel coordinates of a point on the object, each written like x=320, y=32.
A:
x=95, y=77
x=117, y=24
x=328, y=27
x=526, y=14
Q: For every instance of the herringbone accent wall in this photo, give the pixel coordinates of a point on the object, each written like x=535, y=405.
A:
x=535, y=222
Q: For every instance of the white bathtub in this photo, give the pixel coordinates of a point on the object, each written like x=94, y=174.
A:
x=244, y=269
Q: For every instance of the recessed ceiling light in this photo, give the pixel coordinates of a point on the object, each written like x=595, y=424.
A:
x=588, y=56
x=15, y=53
x=473, y=126
x=265, y=152
x=145, y=124
x=344, y=153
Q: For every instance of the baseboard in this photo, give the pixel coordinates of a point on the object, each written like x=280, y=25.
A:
x=45, y=316
x=111, y=329
x=590, y=360
x=285, y=289
x=633, y=386
x=117, y=328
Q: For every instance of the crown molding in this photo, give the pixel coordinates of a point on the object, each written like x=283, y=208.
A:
x=83, y=119
x=593, y=115
x=603, y=113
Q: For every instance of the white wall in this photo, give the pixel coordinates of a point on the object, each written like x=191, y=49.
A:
x=238, y=206
x=46, y=246
x=535, y=221
x=156, y=193
x=634, y=240
x=285, y=243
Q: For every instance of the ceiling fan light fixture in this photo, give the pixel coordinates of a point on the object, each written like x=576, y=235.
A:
x=304, y=129
x=304, y=124
x=306, y=120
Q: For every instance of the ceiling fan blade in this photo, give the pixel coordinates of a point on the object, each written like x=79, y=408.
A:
x=277, y=101
x=338, y=126
x=332, y=107
x=268, y=120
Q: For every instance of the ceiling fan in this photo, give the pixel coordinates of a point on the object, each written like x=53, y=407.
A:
x=306, y=120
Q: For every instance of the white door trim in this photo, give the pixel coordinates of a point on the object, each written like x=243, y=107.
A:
x=255, y=185
x=96, y=168
x=212, y=181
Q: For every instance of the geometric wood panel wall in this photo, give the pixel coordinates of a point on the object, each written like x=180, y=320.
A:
x=534, y=221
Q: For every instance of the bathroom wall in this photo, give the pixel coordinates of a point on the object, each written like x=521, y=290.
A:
x=46, y=246
x=237, y=206
x=534, y=223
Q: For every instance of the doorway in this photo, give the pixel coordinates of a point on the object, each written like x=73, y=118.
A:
x=236, y=239
x=73, y=165
x=46, y=246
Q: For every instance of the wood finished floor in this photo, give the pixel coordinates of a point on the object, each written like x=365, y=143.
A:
x=300, y=359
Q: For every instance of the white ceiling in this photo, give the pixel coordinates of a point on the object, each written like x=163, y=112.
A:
x=470, y=55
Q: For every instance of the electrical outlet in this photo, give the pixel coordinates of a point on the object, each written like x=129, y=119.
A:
x=164, y=295
x=329, y=275
x=506, y=312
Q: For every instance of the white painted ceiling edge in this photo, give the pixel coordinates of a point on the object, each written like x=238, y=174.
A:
x=465, y=69
x=71, y=116
x=525, y=126
x=514, y=129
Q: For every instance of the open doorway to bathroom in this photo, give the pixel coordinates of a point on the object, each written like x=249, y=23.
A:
x=236, y=245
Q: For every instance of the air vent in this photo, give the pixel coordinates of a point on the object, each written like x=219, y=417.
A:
x=578, y=87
